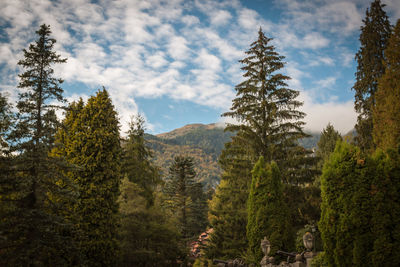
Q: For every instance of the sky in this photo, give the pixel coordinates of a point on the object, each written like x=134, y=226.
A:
x=176, y=62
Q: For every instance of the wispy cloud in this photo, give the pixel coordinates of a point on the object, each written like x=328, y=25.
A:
x=186, y=50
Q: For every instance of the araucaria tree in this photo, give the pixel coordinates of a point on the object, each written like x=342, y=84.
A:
x=374, y=37
x=266, y=109
x=90, y=141
x=136, y=160
x=34, y=233
x=179, y=191
x=386, y=118
x=267, y=212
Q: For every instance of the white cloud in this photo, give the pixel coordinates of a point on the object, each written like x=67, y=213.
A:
x=340, y=114
x=326, y=83
x=220, y=17
x=177, y=47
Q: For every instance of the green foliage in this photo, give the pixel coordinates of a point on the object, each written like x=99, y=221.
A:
x=33, y=228
x=267, y=110
x=360, y=209
x=147, y=237
x=267, y=213
x=227, y=209
x=319, y=260
x=185, y=198
x=136, y=160
x=90, y=140
x=385, y=224
x=327, y=142
x=374, y=36
x=386, y=128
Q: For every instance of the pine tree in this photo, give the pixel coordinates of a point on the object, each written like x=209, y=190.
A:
x=386, y=120
x=374, y=36
x=267, y=213
x=36, y=227
x=227, y=209
x=266, y=108
x=90, y=141
x=136, y=160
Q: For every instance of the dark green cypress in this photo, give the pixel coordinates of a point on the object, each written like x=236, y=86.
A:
x=386, y=119
x=91, y=142
x=267, y=212
x=374, y=36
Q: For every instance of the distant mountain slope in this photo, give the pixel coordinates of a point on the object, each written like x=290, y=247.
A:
x=202, y=142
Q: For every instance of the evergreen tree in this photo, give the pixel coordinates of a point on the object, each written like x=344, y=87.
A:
x=5, y=123
x=374, y=36
x=266, y=109
x=385, y=224
x=346, y=207
x=227, y=209
x=179, y=193
x=35, y=233
x=90, y=140
x=147, y=237
x=267, y=213
x=136, y=160
x=386, y=120
x=326, y=144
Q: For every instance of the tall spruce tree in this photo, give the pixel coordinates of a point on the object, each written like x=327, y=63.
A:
x=374, y=36
x=266, y=109
x=90, y=140
x=36, y=227
x=386, y=119
x=267, y=213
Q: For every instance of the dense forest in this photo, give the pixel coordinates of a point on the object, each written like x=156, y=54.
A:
x=78, y=192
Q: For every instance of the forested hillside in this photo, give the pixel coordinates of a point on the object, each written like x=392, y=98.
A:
x=203, y=142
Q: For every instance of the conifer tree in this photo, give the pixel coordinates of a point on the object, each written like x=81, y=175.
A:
x=136, y=160
x=345, y=223
x=267, y=110
x=374, y=36
x=178, y=189
x=267, y=213
x=147, y=237
x=386, y=119
x=35, y=234
x=327, y=142
x=227, y=209
x=90, y=141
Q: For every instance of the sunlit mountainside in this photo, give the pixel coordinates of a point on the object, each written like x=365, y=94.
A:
x=203, y=142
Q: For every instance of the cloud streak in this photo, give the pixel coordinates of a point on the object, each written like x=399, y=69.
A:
x=185, y=50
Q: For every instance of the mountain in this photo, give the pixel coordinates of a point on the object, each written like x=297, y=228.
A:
x=203, y=142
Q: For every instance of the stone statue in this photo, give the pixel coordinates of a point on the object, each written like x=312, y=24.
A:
x=266, y=248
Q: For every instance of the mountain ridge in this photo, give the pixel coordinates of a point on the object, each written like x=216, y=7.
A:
x=203, y=142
